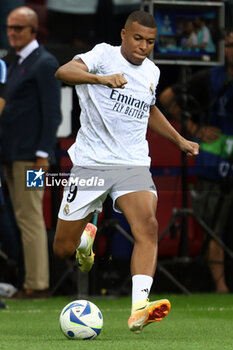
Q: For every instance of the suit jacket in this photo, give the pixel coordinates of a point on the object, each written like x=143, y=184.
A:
x=32, y=112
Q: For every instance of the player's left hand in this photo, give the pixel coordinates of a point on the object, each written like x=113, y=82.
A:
x=189, y=147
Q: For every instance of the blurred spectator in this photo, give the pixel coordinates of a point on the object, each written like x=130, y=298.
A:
x=190, y=36
x=9, y=239
x=5, y=8
x=204, y=37
x=3, y=77
x=72, y=22
x=212, y=123
x=29, y=123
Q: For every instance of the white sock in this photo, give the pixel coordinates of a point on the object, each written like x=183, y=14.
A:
x=83, y=242
x=141, y=285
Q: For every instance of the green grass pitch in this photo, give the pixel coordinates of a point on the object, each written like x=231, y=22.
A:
x=199, y=321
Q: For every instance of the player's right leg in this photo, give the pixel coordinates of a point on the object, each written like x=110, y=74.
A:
x=84, y=252
x=74, y=231
x=76, y=236
x=68, y=236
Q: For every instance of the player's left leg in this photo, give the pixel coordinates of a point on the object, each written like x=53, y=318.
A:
x=139, y=209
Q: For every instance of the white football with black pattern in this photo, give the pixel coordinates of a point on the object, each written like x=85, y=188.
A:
x=81, y=319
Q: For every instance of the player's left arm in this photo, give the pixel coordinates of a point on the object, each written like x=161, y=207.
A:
x=159, y=123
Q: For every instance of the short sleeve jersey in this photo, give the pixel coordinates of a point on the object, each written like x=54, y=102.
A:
x=114, y=121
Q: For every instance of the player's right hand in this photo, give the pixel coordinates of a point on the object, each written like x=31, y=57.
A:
x=189, y=147
x=114, y=81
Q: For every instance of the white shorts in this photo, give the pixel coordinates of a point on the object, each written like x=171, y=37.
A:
x=88, y=188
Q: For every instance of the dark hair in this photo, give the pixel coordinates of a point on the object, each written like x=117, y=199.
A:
x=143, y=18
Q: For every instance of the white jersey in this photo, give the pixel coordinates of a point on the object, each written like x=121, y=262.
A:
x=114, y=121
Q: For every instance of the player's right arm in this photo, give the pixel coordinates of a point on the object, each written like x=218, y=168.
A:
x=75, y=72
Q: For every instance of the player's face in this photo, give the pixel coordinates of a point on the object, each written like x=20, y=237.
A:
x=19, y=30
x=137, y=42
x=229, y=49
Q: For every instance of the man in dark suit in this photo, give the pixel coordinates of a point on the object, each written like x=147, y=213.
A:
x=29, y=124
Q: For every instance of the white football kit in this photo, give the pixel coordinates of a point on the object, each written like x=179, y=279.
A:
x=114, y=121
x=113, y=129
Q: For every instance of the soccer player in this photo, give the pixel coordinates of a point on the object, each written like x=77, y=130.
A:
x=116, y=89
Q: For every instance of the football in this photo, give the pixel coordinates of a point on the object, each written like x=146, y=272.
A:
x=81, y=319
